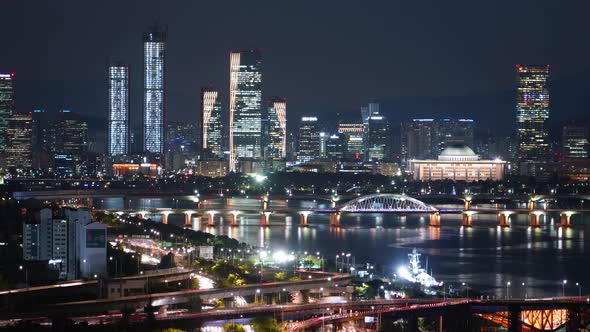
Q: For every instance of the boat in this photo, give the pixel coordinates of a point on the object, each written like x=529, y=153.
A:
x=415, y=273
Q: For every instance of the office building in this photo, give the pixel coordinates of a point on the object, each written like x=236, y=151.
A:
x=354, y=132
x=68, y=240
x=574, y=140
x=6, y=105
x=245, y=95
x=212, y=125
x=309, y=139
x=336, y=147
x=118, y=139
x=378, y=140
x=154, y=102
x=532, y=111
x=457, y=163
x=20, y=136
x=277, y=128
x=68, y=137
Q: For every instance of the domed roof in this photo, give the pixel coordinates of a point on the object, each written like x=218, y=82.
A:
x=457, y=150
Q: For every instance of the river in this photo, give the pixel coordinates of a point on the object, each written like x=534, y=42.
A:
x=485, y=256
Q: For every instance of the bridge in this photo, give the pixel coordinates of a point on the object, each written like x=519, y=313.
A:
x=374, y=203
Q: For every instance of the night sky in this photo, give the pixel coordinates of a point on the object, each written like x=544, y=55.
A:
x=419, y=58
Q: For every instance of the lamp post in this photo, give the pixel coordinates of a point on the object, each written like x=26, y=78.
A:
x=508, y=290
x=466, y=288
x=579, y=289
x=563, y=287
x=525, y=292
x=26, y=274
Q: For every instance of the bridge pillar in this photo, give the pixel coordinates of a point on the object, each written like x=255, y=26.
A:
x=503, y=219
x=514, y=319
x=439, y=324
x=303, y=218
x=532, y=205
x=467, y=219
x=467, y=204
x=228, y=302
x=304, y=296
x=165, y=217
x=265, y=218
x=265, y=201
x=435, y=219
x=335, y=219
x=535, y=218
x=234, y=218
x=574, y=320
x=187, y=218
x=565, y=219
x=210, y=218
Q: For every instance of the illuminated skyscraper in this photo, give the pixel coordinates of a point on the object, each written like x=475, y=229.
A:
x=277, y=128
x=154, y=71
x=354, y=132
x=118, y=109
x=532, y=111
x=6, y=105
x=245, y=93
x=211, y=120
x=309, y=139
x=20, y=133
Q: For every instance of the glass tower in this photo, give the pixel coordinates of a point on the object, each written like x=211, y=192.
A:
x=245, y=94
x=574, y=140
x=6, y=105
x=377, y=138
x=211, y=120
x=309, y=139
x=532, y=111
x=118, y=109
x=277, y=128
x=154, y=51
x=20, y=132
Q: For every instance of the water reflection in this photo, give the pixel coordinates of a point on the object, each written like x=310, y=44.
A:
x=484, y=256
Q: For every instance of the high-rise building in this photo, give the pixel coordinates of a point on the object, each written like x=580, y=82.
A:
x=118, y=109
x=532, y=111
x=378, y=139
x=212, y=125
x=20, y=133
x=574, y=140
x=69, y=137
x=309, y=139
x=6, y=105
x=245, y=95
x=73, y=244
x=336, y=147
x=354, y=132
x=154, y=103
x=277, y=128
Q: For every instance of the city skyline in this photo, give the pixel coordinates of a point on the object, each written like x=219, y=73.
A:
x=465, y=91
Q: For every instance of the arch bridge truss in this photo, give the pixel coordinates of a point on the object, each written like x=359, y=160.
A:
x=386, y=203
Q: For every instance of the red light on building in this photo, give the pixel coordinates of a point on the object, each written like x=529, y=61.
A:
x=11, y=74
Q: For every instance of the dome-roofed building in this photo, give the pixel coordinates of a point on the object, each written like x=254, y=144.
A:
x=457, y=162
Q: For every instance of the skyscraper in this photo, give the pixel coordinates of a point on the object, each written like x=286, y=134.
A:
x=427, y=138
x=355, y=138
x=532, y=111
x=212, y=126
x=154, y=71
x=71, y=143
x=245, y=94
x=378, y=139
x=19, y=150
x=118, y=109
x=277, y=128
x=574, y=140
x=309, y=139
x=6, y=105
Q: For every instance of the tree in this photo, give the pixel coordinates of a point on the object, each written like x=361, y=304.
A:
x=195, y=283
x=280, y=276
x=233, y=327
x=195, y=304
x=265, y=324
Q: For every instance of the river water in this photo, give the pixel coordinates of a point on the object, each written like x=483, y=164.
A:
x=485, y=256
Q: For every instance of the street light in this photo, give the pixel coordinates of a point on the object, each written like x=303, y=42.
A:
x=525, y=292
x=508, y=290
x=563, y=287
x=26, y=275
x=467, y=288
x=579, y=289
